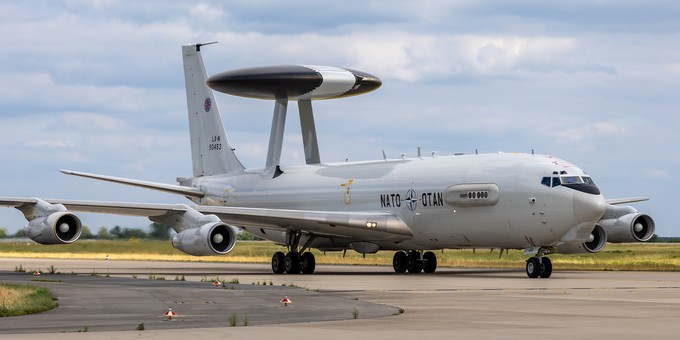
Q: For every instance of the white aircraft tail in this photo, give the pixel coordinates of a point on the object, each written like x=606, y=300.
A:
x=211, y=152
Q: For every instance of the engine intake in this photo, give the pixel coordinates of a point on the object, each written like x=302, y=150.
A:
x=596, y=242
x=633, y=227
x=215, y=238
x=57, y=228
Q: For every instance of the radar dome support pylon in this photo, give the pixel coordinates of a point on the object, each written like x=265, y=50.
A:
x=276, y=138
x=308, y=128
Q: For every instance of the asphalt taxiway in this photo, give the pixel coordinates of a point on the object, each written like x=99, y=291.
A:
x=479, y=303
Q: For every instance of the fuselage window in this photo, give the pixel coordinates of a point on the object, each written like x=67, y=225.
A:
x=477, y=194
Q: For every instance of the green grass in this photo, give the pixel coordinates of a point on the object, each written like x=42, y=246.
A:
x=22, y=300
x=638, y=256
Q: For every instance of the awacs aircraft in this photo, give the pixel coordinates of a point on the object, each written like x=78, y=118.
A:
x=409, y=205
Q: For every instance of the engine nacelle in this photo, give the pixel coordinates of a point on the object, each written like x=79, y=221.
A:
x=60, y=227
x=596, y=242
x=215, y=238
x=632, y=227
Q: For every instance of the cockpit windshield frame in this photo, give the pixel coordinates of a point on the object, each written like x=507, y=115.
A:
x=582, y=183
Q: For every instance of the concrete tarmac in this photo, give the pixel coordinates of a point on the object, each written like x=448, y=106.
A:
x=478, y=303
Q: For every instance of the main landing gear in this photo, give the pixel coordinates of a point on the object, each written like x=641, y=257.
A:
x=539, y=265
x=297, y=260
x=414, y=262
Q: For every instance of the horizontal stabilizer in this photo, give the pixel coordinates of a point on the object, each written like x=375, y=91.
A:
x=173, y=189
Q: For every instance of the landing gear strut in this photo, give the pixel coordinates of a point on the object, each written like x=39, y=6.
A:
x=539, y=265
x=297, y=259
x=414, y=262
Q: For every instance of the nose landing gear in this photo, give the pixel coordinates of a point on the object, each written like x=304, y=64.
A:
x=539, y=265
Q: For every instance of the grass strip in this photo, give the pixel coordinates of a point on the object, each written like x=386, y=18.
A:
x=16, y=299
x=629, y=256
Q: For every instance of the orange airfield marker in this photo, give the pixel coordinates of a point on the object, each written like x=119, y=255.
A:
x=170, y=314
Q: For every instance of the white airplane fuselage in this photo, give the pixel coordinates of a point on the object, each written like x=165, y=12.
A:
x=523, y=214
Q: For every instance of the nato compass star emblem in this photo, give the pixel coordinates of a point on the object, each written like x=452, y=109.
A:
x=207, y=104
x=411, y=201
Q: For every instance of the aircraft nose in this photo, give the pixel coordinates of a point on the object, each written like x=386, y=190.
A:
x=588, y=207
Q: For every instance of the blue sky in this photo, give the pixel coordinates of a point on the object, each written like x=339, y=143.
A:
x=97, y=86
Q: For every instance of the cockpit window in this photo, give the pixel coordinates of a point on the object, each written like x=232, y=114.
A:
x=551, y=182
x=580, y=183
x=546, y=181
x=556, y=181
x=588, y=180
x=571, y=180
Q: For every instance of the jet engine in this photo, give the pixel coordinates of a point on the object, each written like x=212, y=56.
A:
x=626, y=224
x=215, y=238
x=595, y=243
x=633, y=227
x=57, y=228
x=51, y=223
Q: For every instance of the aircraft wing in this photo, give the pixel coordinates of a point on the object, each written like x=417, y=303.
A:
x=118, y=208
x=616, y=201
x=365, y=225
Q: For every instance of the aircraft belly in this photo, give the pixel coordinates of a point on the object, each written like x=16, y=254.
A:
x=321, y=243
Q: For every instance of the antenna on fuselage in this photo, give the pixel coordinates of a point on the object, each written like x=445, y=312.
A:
x=293, y=82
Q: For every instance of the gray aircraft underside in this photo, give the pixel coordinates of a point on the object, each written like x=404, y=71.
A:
x=506, y=200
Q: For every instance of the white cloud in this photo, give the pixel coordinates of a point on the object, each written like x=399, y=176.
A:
x=205, y=12
x=596, y=130
x=509, y=54
x=656, y=173
x=412, y=57
x=40, y=89
x=49, y=144
x=96, y=4
x=91, y=121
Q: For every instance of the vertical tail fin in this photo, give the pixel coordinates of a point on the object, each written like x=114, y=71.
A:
x=211, y=152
